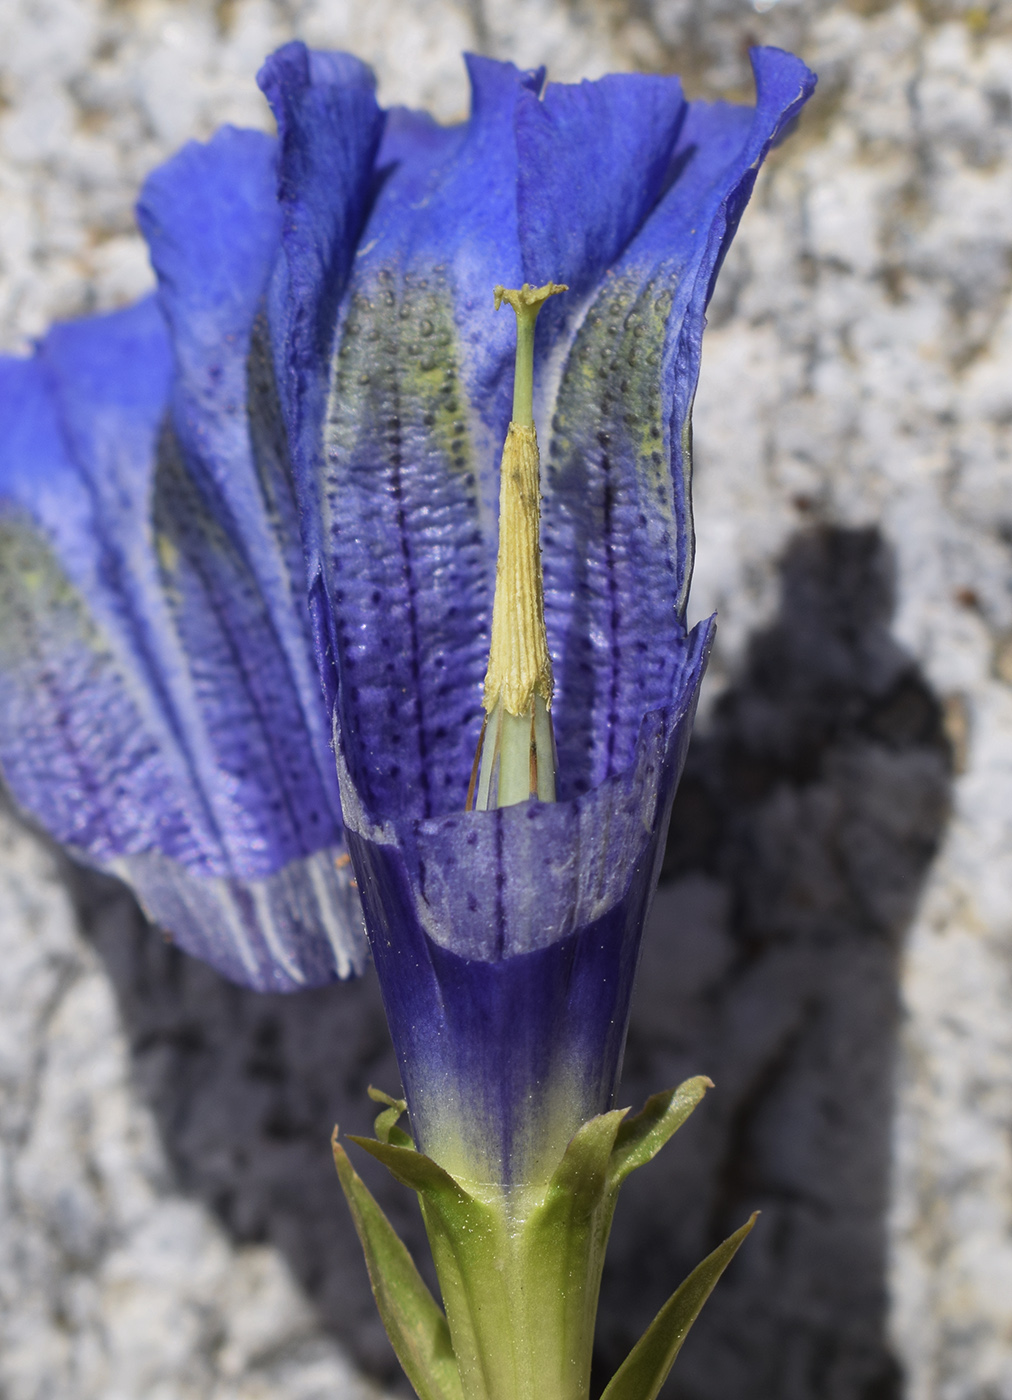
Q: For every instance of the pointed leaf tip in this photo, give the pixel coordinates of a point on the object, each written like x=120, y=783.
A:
x=411, y=1167
x=386, y=1122
x=381, y=1096
x=582, y=1175
x=646, y=1368
x=642, y=1136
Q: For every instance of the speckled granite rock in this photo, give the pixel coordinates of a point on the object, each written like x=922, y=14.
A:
x=860, y=374
x=114, y=1284
x=833, y=943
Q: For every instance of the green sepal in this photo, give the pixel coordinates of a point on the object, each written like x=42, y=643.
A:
x=564, y=1242
x=571, y=1226
x=386, y=1122
x=459, y=1226
x=641, y=1137
x=520, y=1267
x=583, y=1176
x=413, y=1320
x=467, y=1237
x=646, y=1368
x=412, y=1168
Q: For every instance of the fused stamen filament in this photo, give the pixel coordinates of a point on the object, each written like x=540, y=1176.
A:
x=516, y=751
x=515, y=758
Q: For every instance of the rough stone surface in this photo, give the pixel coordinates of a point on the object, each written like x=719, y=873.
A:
x=114, y=1283
x=833, y=943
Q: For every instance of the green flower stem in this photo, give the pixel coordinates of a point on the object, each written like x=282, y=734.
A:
x=521, y=1293
x=520, y=1268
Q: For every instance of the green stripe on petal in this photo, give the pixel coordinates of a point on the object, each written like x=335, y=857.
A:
x=406, y=538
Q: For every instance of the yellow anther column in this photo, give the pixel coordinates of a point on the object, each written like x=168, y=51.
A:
x=516, y=753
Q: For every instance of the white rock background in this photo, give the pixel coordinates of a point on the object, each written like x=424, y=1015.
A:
x=858, y=374
x=112, y=1283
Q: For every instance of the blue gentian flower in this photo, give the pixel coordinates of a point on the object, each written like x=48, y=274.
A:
x=255, y=516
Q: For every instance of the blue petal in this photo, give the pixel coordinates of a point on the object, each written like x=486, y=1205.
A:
x=592, y=160
x=211, y=218
x=225, y=512
x=717, y=158
x=212, y=222
x=451, y=203
x=414, y=146
x=329, y=127
x=617, y=529
x=88, y=753
x=297, y=927
x=506, y=943
x=126, y=726
x=419, y=404
x=593, y=157
x=409, y=481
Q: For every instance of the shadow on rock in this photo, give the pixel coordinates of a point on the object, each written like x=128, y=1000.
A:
x=806, y=821
x=245, y=1089
x=810, y=810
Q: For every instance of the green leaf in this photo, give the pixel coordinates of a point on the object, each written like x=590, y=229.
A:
x=414, y=1321
x=641, y=1137
x=646, y=1368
